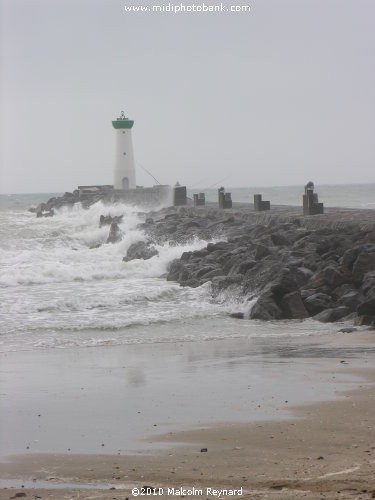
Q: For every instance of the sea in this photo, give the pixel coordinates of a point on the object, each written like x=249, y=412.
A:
x=62, y=285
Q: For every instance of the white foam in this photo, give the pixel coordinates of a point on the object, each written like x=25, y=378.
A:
x=52, y=281
x=59, y=249
x=56, y=291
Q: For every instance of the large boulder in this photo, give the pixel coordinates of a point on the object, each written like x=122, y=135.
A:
x=242, y=266
x=334, y=277
x=283, y=283
x=349, y=257
x=280, y=239
x=280, y=299
x=364, y=263
x=318, y=302
x=351, y=300
x=220, y=283
x=69, y=197
x=365, y=319
x=202, y=271
x=300, y=274
x=328, y=279
x=293, y=307
x=44, y=210
x=140, y=250
x=177, y=271
x=115, y=233
x=186, y=256
x=209, y=275
x=265, y=274
x=331, y=315
x=266, y=308
x=312, y=261
x=261, y=251
x=203, y=252
x=367, y=308
x=368, y=283
x=342, y=290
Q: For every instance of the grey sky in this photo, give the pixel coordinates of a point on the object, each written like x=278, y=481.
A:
x=275, y=97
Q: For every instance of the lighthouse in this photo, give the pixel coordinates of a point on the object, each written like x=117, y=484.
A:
x=124, y=175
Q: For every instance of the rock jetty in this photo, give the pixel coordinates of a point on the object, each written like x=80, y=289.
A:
x=294, y=264
x=297, y=267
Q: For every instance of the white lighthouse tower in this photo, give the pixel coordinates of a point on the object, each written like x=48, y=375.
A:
x=124, y=175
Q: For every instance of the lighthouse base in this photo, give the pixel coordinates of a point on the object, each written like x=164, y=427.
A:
x=153, y=196
x=150, y=196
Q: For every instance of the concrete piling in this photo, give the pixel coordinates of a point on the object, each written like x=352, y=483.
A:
x=199, y=199
x=225, y=199
x=311, y=205
x=261, y=205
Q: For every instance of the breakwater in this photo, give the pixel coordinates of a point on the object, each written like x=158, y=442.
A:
x=295, y=266
x=285, y=263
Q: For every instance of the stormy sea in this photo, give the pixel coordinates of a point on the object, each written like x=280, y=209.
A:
x=62, y=286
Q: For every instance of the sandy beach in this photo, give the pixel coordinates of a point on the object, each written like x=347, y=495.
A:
x=296, y=419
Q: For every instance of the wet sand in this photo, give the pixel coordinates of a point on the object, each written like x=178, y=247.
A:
x=314, y=435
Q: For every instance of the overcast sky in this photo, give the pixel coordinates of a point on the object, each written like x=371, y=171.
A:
x=278, y=96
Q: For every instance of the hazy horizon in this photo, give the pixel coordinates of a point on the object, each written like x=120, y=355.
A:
x=227, y=187
x=275, y=97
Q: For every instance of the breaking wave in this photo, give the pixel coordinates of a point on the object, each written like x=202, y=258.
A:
x=59, y=275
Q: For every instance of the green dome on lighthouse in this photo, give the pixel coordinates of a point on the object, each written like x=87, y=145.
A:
x=123, y=122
